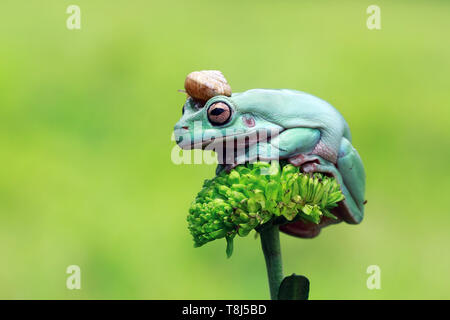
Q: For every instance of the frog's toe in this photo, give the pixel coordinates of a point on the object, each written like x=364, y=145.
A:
x=310, y=167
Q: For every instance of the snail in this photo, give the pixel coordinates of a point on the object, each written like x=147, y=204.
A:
x=203, y=85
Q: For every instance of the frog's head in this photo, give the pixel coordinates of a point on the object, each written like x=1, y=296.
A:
x=219, y=121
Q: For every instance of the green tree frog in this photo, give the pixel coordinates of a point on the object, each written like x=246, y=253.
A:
x=281, y=124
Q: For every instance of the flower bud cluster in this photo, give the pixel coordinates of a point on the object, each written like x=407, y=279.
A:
x=254, y=194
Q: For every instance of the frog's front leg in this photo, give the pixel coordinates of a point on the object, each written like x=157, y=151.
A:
x=286, y=144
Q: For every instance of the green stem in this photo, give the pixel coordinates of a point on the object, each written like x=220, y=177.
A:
x=270, y=242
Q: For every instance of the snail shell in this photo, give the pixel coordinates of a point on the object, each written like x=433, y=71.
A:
x=203, y=85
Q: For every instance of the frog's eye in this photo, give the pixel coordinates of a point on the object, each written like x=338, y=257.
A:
x=219, y=113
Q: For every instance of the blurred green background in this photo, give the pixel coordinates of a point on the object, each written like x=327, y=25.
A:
x=86, y=118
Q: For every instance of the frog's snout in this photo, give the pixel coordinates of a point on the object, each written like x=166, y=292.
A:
x=182, y=137
x=180, y=128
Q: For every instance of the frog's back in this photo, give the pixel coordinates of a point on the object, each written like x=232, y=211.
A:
x=293, y=109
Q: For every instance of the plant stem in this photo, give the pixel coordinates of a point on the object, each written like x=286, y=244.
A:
x=270, y=242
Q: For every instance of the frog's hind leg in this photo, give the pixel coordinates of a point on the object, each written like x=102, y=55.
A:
x=351, y=167
x=351, y=177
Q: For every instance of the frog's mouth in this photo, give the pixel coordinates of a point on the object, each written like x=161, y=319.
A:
x=234, y=149
x=242, y=149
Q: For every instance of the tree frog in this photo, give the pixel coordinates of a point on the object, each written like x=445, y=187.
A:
x=299, y=128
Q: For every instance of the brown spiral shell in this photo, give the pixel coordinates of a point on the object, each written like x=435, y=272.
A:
x=203, y=85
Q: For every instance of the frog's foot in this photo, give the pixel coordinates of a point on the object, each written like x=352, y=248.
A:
x=310, y=163
x=303, y=229
x=350, y=177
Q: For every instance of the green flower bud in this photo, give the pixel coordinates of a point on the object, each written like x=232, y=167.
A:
x=233, y=177
x=253, y=205
x=254, y=194
x=272, y=190
x=238, y=196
